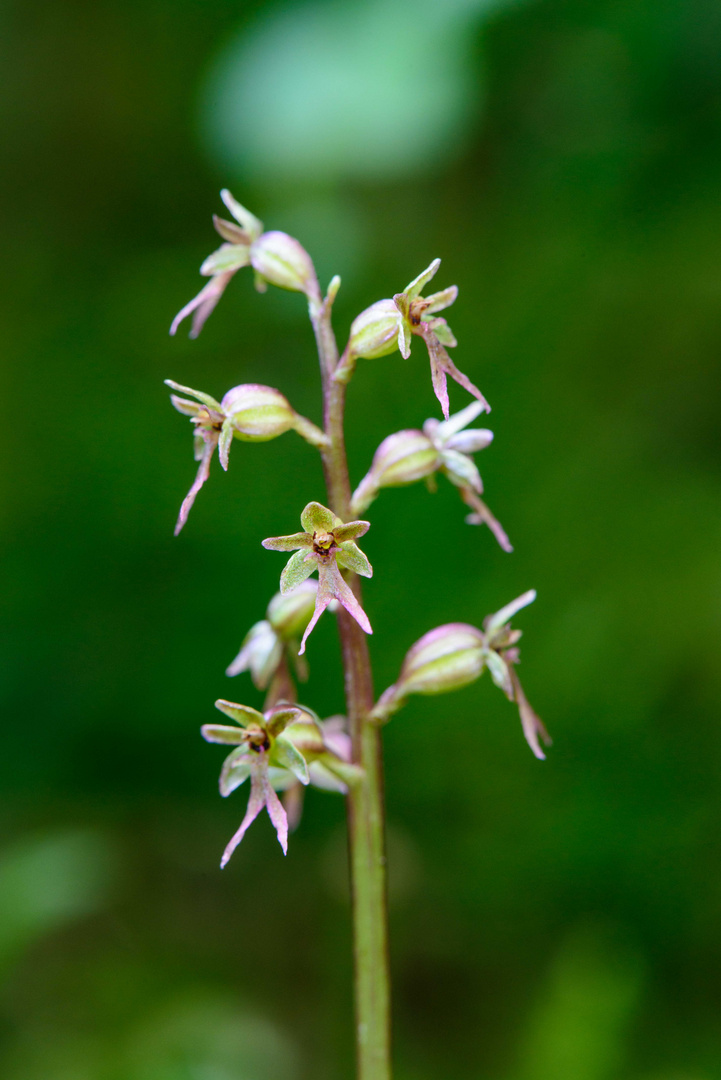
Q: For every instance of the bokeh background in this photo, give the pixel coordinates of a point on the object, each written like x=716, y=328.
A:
x=556, y=921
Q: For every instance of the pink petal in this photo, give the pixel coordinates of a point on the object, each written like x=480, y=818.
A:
x=203, y=304
x=331, y=582
x=211, y=441
x=256, y=802
x=276, y=813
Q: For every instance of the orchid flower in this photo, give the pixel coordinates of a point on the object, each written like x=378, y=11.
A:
x=326, y=543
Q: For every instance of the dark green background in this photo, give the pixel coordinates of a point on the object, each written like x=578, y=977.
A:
x=554, y=921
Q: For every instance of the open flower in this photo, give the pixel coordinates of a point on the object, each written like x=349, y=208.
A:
x=250, y=412
x=326, y=544
x=275, y=257
x=390, y=324
x=442, y=446
x=276, y=749
x=451, y=656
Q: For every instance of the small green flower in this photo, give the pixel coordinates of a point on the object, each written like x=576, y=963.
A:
x=327, y=543
x=276, y=749
x=276, y=258
x=250, y=412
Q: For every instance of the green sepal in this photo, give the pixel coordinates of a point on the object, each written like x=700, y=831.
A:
x=218, y=733
x=279, y=719
x=442, y=331
x=226, y=438
x=247, y=221
x=287, y=543
x=495, y=622
x=230, y=231
x=242, y=714
x=440, y=300
x=236, y=769
x=296, y=571
x=500, y=674
x=284, y=753
x=226, y=257
x=187, y=408
x=351, y=530
x=318, y=518
x=415, y=288
x=461, y=470
x=344, y=770
x=352, y=558
x=205, y=399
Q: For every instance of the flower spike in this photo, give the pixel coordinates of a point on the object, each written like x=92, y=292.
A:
x=326, y=544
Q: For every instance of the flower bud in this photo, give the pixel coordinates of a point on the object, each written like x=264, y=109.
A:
x=260, y=653
x=282, y=261
x=374, y=332
x=258, y=413
x=446, y=658
x=290, y=614
x=400, y=459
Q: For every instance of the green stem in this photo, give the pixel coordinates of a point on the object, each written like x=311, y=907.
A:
x=366, y=824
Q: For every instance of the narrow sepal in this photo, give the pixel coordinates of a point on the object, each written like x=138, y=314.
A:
x=352, y=558
x=288, y=543
x=230, y=231
x=203, y=305
x=351, y=530
x=482, y=516
x=187, y=408
x=418, y=284
x=247, y=221
x=226, y=438
x=448, y=428
x=218, y=733
x=441, y=300
x=204, y=399
x=242, y=714
x=289, y=757
x=235, y=771
x=211, y=441
x=226, y=257
x=296, y=571
x=278, y=719
x=461, y=470
x=499, y=672
x=316, y=518
x=500, y=618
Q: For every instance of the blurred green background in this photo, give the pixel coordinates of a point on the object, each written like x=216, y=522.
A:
x=556, y=921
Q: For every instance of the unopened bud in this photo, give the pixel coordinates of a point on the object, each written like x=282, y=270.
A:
x=260, y=653
x=402, y=458
x=258, y=413
x=374, y=332
x=282, y=261
x=290, y=614
x=444, y=659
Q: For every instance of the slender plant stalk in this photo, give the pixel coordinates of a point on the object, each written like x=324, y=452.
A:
x=366, y=827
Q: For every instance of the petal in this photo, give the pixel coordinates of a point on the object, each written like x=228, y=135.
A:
x=276, y=720
x=461, y=470
x=441, y=300
x=256, y=802
x=351, y=530
x=352, y=558
x=242, y=714
x=230, y=231
x=276, y=813
x=318, y=518
x=247, y=221
x=533, y=726
x=442, y=331
x=211, y=441
x=296, y=571
x=204, y=399
x=203, y=304
x=417, y=285
x=495, y=622
x=482, y=516
x=288, y=543
x=236, y=770
x=458, y=421
x=404, y=339
x=187, y=408
x=322, y=601
x=290, y=757
x=217, y=733
x=470, y=442
x=499, y=672
x=226, y=438
x=331, y=584
x=227, y=257
x=438, y=379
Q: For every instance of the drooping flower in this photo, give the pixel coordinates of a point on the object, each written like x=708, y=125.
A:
x=327, y=544
x=390, y=324
x=276, y=258
x=250, y=412
x=456, y=654
x=442, y=446
x=274, y=640
x=276, y=749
